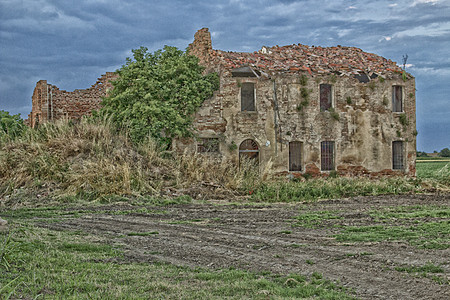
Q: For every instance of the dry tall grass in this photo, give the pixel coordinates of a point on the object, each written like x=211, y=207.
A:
x=91, y=158
x=90, y=161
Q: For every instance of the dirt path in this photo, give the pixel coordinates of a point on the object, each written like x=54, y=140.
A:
x=262, y=238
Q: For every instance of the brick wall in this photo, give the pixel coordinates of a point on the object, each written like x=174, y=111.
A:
x=51, y=103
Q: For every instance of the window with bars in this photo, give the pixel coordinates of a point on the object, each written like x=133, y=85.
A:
x=397, y=98
x=249, y=149
x=248, y=96
x=397, y=155
x=295, y=156
x=325, y=97
x=207, y=145
x=327, y=155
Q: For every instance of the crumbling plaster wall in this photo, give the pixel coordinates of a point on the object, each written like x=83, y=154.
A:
x=51, y=103
x=362, y=125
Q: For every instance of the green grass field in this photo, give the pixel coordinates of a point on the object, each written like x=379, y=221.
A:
x=434, y=168
x=433, y=158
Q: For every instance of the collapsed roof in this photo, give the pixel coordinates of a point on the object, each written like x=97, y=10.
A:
x=297, y=58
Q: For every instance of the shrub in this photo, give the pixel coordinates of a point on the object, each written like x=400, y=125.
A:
x=11, y=126
x=157, y=94
x=404, y=120
x=445, y=152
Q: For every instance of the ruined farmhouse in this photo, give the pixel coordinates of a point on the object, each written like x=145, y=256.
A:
x=297, y=108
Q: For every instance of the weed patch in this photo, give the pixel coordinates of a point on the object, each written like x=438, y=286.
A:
x=282, y=191
x=86, y=248
x=428, y=271
x=41, y=213
x=413, y=212
x=314, y=219
x=434, y=235
x=428, y=268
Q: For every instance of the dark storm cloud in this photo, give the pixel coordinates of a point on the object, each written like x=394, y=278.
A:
x=71, y=43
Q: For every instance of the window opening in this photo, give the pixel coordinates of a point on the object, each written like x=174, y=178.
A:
x=397, y=98
x=325, y=97
x=327, y=156
x=295, y=156
x=249, y=150
x=208, y=145
x=397, y=155
x=248, y=96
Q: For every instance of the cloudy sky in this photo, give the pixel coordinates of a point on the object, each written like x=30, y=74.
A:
x=70, y=43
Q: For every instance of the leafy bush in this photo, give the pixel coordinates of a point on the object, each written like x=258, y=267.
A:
x=11, y=126
x=445, y=152
x=157, y=94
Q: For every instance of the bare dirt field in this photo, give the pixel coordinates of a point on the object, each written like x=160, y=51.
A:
x=274, y=238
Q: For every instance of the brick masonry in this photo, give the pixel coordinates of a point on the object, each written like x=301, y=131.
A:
x=51, y=103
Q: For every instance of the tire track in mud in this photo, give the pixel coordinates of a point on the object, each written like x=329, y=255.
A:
x=261, y=238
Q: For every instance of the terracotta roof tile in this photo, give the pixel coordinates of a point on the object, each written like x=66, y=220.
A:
x=300, y=58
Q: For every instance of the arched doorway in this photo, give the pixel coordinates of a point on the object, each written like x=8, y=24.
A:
x=249, y=150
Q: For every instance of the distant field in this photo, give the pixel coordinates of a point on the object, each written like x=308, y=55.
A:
x=437, y=168
x=420, y=159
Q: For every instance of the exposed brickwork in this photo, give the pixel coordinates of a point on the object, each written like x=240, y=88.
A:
x=202, y=45
x=51, y=103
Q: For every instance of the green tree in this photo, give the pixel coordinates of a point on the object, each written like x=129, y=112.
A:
x=11, y=125
x=422, y=154
x=158, y=93
x=445, y=152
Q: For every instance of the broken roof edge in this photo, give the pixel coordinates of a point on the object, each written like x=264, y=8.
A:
x=103, y=80
x=296, y=58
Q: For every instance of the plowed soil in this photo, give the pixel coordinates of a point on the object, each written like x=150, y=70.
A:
x=263, y=238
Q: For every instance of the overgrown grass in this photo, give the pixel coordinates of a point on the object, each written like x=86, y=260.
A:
x=59, y=265
x=426, y=235
x=422, y=226
x=428, y=268
x=314, y=219
x=426, y=271
x=414, y=212
x=283, y=191
x=91, y=161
